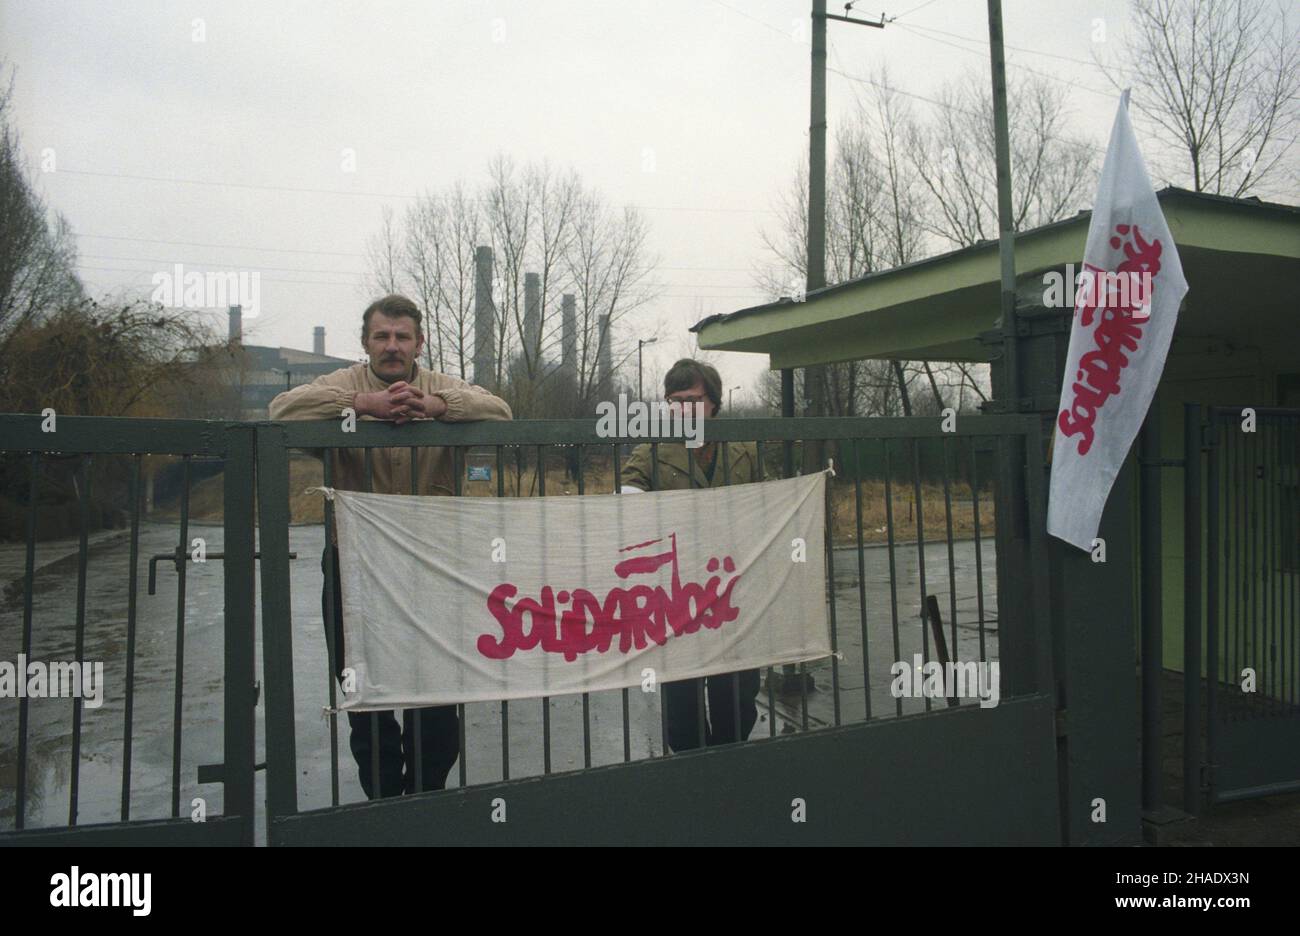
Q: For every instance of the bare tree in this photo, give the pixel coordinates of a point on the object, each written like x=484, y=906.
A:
x=607, y=264
x=37, y=256
x=557, y=197
x=423, y=257
x=92, y=358
x=955, y=160
x=875, y=208
x=1218, y=81
x=461, y=231
x=537, y=220
x=384, y=256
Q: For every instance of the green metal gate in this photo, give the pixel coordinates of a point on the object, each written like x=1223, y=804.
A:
x=82, y=448
x=1250, y=570
x=941, y=772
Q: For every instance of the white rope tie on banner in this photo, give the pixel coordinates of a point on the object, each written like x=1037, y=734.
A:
x=327, y=491
x=830, y=467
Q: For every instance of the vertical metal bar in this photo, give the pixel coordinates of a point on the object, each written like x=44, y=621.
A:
x=952, y=561
x=1252, y=657
x=862, y=577
x=1151, y=608
x=1293, y=578
x=83, y=548
x=1271, y=569
x=458, y=475
x=178, y=696
x=663, y=698
x=376, y=780
x=830, y=594
x=1214, y=513
x=331, y=618
x=1038, y=605
x=1293, y=573
x=1261, y=572
x=735, y=677
x=627, y=715
x=1282, y=502
x=1281, y=507
x=1192, y=609
x=132, y=591
x=771, y=676
x=505, y=706
x=801, y=670
x=893, y=576
x=29, y=582
x=1238, y=454
x=1272, y=475
x=546, y=701
x=920, y=554
x=1222, y=448
x=277, y=625
x=239, y=786
x=701, y=728
x=586, y=696
x=803, y=696
x=417, y=719
x=979, y=553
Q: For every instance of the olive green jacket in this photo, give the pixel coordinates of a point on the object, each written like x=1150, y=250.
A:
x=740, y=466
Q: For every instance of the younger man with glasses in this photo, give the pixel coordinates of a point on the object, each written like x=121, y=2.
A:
x=694, y=383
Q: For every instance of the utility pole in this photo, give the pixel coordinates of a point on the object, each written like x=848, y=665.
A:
x=1006, y=221
x=815, y=376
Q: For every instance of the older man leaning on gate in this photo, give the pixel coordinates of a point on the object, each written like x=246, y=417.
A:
x=393, y=387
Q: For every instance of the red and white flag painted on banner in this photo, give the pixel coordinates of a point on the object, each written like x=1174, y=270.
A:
x=1124, y=317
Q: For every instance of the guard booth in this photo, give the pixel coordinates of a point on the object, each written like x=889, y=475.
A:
x=1234, y=349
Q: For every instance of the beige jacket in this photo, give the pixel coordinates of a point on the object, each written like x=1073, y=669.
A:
x=675, y=467
x=329, y=395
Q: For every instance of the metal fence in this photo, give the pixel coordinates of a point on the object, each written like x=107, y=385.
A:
x=119, y=764
x=1241, y=601
x=935, y=550
x=912, y=571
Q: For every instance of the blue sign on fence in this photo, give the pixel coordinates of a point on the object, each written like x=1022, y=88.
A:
x=480, y=472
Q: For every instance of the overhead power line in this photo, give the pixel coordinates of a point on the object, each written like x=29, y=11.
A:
x=327, y=253
x=177, y=180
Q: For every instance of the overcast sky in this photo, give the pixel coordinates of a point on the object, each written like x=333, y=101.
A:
x=226, y=153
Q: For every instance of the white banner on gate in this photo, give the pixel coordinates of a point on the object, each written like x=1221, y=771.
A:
x=468, y=599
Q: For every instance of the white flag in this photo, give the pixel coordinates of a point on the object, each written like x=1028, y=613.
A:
x=1124, y=317
x=476, y=599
